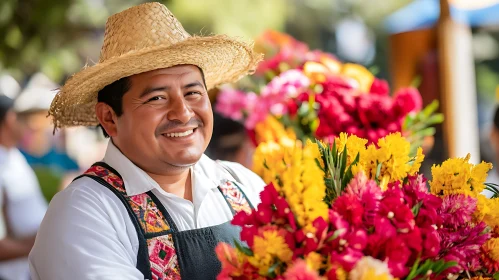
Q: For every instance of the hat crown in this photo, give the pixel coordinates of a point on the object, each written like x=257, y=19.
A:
x=141, y=27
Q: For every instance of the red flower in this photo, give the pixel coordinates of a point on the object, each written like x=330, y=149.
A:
x=380, y=87
x=407, y=100
x=292, y=107
x=350, y=208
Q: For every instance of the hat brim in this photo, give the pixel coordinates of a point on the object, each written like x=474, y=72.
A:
x=221, y=58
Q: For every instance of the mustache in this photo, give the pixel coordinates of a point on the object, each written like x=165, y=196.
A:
x=170, y=125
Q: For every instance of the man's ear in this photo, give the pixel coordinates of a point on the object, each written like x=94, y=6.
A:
x=107, y=118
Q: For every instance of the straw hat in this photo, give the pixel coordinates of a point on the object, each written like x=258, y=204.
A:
x=145, y=38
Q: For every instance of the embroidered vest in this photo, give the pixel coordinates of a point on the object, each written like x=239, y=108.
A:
x=155, y=229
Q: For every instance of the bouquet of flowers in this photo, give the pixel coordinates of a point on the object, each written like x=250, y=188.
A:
x=305, y=90
x=351, y=209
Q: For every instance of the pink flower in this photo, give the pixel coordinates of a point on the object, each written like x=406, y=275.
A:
x=369, y=194
x=461, y=238
x=407, y=100
x=380, y=87
x=300, y=271
x=457, y=210
x=349, y=242
x=233, y=103
x=350, y=208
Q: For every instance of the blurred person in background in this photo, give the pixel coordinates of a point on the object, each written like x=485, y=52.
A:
x=44, y=151
x=230, y=142
x=21, y=203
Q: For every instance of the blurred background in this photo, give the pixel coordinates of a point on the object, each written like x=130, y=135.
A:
x=448, y=49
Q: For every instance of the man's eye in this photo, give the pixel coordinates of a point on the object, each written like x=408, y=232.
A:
x=192, y=93
x=156, y=98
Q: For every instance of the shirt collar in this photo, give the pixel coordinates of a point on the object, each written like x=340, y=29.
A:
x=207, y=174
x=136, y=180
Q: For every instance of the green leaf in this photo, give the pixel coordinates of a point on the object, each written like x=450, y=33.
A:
x=429, y=131
x=271, y=271
x=378, y=173
x=335, y=153
x=343, y=162
x=446, y=266
x=424, y=268
x=265, y=164
x=435, y=119
x=496, y=276
x=416, y=82
x=431, y=108
x=245, y=250
x=319, y=164
x=408, y=121
x=416, y=208
x=414, y=268
x=336, y=234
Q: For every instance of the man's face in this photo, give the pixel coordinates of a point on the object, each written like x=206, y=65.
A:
x=11, y=128
x=167, y=120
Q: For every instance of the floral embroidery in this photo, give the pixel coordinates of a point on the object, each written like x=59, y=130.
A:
x=163, y=258
x=108, y=176
x=235, y=197
x=150, y=218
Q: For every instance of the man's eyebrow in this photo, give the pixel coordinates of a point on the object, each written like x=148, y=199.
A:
x=151, y=89
x=193, y=84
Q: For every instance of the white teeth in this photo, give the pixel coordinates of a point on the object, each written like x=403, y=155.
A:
x=180, y=134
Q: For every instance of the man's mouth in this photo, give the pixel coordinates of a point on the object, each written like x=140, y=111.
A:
x=180, y=134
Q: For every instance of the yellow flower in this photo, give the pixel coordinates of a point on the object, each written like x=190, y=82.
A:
x=458, y=176
x=393, y=155
x=360, y=74
x=417, y=161
x=315, y=71
x=272, y=130
x=341, y=142
x=268, y=249
x=492, y=247
x=293, y=170
x=314, y=261
x=369, y=268
x=355, y=146
x=341, y=274
x=487, y=211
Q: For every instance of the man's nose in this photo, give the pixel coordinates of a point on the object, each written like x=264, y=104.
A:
x=179, y=110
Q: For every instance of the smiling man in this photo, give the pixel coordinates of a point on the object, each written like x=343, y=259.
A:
x=155, y=207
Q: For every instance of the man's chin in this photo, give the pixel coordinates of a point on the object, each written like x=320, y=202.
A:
x=185, y=161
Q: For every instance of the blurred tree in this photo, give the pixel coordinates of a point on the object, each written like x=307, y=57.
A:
x=58, y=37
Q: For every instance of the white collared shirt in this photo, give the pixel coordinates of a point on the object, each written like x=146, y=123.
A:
x=87, y=232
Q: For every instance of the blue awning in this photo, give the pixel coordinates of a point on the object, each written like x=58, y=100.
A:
x=422, y=14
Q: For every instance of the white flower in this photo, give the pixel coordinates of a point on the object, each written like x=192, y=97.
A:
x=369, y=266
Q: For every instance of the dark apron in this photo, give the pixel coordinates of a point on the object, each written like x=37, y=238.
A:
x=195, y=249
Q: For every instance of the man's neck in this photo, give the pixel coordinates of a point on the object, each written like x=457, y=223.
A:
x=179, y=184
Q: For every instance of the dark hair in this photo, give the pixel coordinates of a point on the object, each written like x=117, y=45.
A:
x=6, y=104
x=227, y=139
x=113, y=94
x=496, y=118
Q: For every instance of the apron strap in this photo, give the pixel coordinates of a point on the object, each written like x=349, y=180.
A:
x=152, y=222
x=235, y=197
x=109, y=178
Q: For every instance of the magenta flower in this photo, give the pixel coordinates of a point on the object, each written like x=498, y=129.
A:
x=461, y=238
x=234, y=104
x=408, y=100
